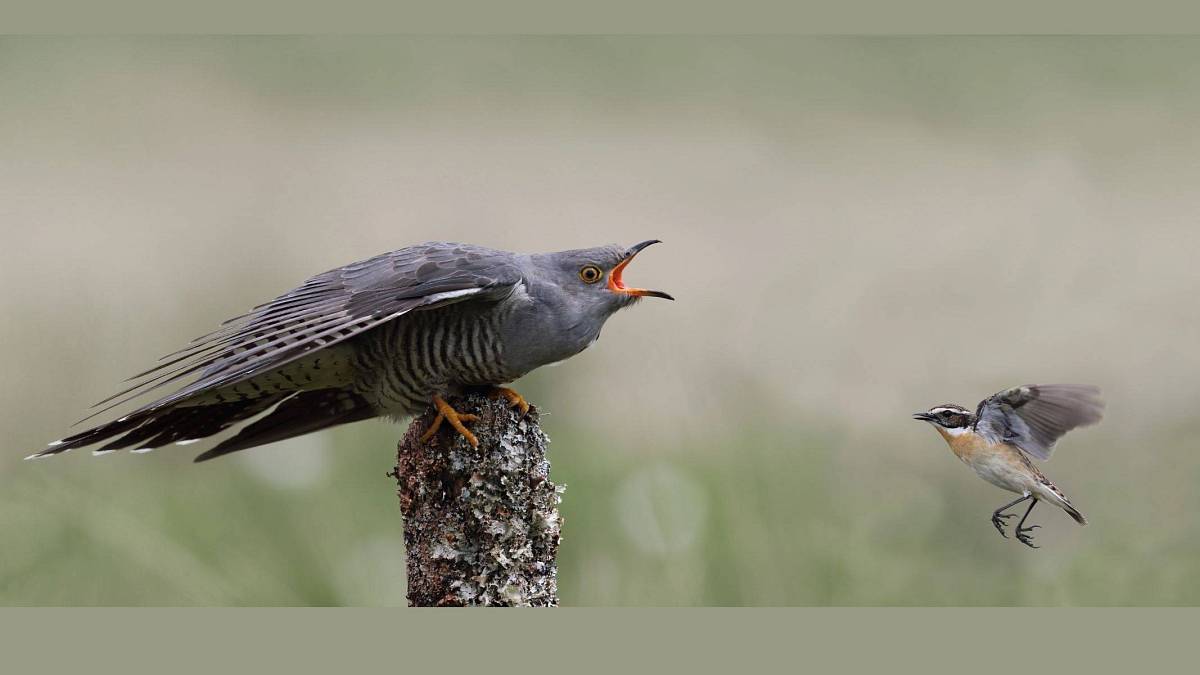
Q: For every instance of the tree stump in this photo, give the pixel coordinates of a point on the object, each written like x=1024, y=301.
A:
x=481, y=525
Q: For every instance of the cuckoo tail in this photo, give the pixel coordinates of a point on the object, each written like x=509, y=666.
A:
x=149, y=429
x=303, y=413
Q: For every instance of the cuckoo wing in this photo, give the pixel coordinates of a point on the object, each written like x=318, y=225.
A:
x=327, y=309
x=1034, y=416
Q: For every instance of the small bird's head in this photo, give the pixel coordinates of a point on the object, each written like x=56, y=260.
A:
x=593, y=276
x=949, y=419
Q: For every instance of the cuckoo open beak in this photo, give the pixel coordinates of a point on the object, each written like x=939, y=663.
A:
x=614, y=277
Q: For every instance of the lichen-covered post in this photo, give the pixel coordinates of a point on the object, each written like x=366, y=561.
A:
x=481, y=525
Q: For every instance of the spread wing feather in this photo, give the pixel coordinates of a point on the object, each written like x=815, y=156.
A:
x=325, y=310
x=1034, y=416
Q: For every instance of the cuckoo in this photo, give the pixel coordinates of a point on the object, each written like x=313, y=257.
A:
x=384, y=337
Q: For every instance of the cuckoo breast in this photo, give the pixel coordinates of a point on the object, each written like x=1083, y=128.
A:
x=401, y=364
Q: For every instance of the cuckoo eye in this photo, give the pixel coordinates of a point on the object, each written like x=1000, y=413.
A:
x=590, y=274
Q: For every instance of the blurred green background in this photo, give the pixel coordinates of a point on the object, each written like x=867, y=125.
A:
x=856, y=229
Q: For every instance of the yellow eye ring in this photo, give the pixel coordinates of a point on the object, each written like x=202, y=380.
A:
x=590, y=274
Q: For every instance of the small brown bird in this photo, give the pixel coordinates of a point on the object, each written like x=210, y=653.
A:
x=998, y=439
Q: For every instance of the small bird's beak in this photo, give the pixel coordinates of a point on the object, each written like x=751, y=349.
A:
x=923, y=416
x=614, y=278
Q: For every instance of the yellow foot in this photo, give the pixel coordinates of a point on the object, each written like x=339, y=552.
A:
x=455, y=418
x=515, y=400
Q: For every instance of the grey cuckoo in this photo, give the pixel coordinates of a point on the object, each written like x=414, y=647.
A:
x=381, y=337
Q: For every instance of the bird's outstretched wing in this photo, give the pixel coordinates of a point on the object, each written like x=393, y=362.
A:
x=1034, y=416
x=327, y=309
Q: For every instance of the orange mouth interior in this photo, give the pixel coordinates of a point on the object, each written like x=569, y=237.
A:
x=616, y=284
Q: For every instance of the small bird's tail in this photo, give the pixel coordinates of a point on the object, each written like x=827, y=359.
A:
x=1049, y=492
x=1074, y=513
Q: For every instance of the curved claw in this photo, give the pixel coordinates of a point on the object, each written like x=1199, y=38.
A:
x=998, y=522
x=515, y=400
x=1026, y=538
x=446, y=413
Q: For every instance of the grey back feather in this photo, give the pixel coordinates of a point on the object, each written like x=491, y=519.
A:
x=1034, y=416
x=327, y=309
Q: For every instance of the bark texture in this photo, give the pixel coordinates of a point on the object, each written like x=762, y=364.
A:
x=481, y=525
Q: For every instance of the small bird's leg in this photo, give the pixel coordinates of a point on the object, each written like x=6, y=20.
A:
x=515, y=400
x=1027, y=539
x=998, y=515
x=456, y=419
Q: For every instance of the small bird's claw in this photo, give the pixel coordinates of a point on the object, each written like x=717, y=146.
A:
x=998, y=520
x=515, y=400
x=1025, y=538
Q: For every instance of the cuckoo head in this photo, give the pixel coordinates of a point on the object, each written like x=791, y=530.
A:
x=595, y=277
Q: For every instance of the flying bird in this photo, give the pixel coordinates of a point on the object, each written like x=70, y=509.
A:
x=1006, y=430
x=384, y=337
